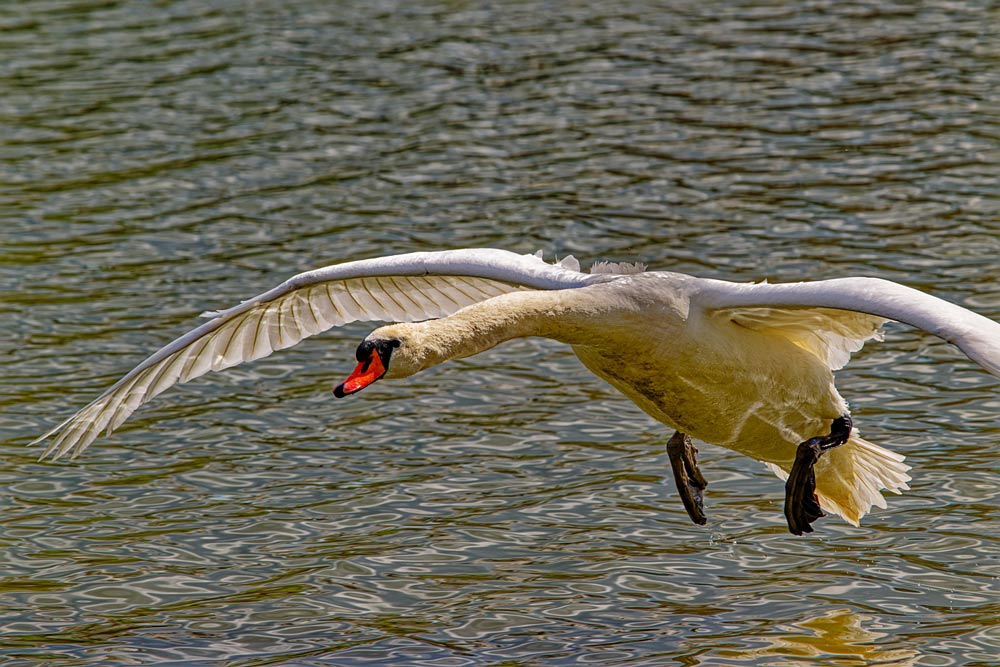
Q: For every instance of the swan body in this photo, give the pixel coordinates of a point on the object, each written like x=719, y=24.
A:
x=748, y=367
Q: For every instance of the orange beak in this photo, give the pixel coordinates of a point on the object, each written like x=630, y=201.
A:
x=367, y=372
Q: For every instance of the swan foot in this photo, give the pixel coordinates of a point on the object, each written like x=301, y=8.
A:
x=690, y=483
x=801, y=505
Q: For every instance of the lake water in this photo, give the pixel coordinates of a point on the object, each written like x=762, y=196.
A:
x=161, y=159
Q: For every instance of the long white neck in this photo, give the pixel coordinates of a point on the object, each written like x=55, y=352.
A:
x=552, y=314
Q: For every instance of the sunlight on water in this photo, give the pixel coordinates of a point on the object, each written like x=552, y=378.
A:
x=838, y=636
x=169, y=158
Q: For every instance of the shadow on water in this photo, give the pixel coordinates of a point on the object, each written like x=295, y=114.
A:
x=163, y=159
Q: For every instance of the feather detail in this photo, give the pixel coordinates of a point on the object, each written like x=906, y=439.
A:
x=618, y=268
x=850, y=478
x=831, y=335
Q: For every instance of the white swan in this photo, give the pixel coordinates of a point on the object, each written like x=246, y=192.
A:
x=744, y=366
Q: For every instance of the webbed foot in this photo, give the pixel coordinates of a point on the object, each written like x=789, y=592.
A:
x=690, y=482
x=801, y=504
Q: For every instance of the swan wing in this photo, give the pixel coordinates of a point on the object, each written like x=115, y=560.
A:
x=831, y=335
x=397, y=288
x=832, y=318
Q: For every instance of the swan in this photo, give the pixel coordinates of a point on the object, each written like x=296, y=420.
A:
x=746, y=366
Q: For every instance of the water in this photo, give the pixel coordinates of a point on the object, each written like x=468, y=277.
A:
x=160, y=159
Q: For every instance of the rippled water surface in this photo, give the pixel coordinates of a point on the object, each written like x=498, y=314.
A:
x=161, y=159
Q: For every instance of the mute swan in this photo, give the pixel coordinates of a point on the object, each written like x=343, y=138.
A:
x=744, y=366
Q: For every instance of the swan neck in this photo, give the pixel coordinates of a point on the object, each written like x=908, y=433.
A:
x=484, y=325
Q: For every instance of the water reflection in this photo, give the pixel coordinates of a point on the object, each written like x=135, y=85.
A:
x=839, y=637
x=163, y=159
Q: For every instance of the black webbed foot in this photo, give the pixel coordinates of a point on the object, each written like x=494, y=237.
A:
x=690, y=482
x=801, y=505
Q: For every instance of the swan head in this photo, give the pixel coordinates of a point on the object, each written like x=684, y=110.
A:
x=386, y=352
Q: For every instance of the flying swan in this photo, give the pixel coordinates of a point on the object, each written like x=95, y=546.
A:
x=748, y=367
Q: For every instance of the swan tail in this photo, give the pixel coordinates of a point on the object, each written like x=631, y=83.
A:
x=850, y=478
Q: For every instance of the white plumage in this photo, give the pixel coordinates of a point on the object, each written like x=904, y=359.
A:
x=744, y=366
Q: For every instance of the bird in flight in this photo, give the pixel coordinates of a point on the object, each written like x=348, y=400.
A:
x=746, y=366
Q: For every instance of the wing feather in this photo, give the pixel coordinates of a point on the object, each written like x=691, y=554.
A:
x=831, y=335
x=443, y=297
x=975, y=335
x=399, y=288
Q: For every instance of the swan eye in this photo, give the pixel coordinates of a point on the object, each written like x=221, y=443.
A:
x=383, y=346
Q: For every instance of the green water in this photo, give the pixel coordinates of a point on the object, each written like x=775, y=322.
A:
x=161, y=159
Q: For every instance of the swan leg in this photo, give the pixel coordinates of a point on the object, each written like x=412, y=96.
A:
x=801, y=505
x=690, y=483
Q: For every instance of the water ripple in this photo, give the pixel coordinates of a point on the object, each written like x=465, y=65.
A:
x=164, y=159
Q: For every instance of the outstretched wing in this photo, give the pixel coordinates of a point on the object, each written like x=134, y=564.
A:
x=398, y=288
x=832, y=318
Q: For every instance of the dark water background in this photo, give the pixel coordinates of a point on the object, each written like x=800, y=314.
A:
x=158, y=159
